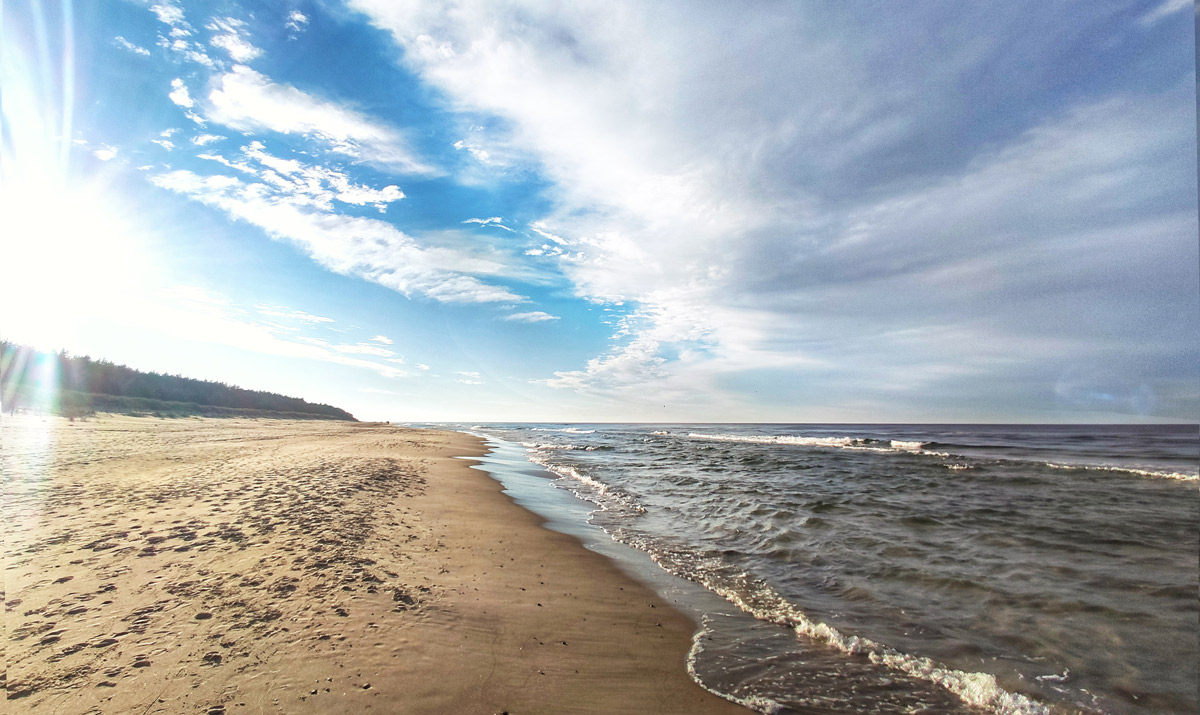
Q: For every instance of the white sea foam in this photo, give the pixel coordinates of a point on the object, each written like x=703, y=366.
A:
x=561, y=447
x=589, y=489
x=975, y=689
x=756, y=703
x=1054, y=678
x=779, y=439
x=764, y=603
x=916, y=447
x=1181, y=476
x=567, y=430
x=852, y=443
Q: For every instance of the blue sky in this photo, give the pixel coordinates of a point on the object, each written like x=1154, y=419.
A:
x=920, y=211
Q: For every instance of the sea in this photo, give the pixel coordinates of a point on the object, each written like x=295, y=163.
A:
x=897, y=568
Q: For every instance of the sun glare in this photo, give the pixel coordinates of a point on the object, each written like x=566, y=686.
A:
x=70, y=249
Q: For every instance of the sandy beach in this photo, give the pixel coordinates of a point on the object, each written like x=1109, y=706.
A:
x=230, y=566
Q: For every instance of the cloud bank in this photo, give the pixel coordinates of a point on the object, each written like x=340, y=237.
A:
x=803, y=200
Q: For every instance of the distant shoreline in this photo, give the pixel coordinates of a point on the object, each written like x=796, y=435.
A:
x=78, y=386
x=83, y=406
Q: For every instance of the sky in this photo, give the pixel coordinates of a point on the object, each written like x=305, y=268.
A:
x=615, y=211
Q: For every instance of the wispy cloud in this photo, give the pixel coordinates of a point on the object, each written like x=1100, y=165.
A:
x=126, y=44
x=1164, y=10
x=176, y=40
x=246, y=100
x=368, y=248
x=230, y=35
x=496, y=221
x=482, y=155
x=297, y=21
x=469, y=378
x=280, y=312
x=745, y=219
x=383, y=339
x=197, y=314
x=535, y=316
x=366, y=349
x=168, y=13
x=302, y=184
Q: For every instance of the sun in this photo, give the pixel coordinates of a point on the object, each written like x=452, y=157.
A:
x=67, y=254
x=70, y=247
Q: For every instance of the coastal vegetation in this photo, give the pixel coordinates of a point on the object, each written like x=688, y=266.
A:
x=77, y=386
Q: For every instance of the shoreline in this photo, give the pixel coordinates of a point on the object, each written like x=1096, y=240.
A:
x=226, y=566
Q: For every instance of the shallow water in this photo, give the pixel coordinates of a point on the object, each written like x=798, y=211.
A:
x=912, y=568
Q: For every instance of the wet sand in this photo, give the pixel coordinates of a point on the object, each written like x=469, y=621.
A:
x=248, y=566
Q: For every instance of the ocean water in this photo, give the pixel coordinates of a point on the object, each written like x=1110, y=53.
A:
x=938, y=569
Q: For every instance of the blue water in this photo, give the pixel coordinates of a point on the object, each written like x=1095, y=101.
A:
x=881, y=568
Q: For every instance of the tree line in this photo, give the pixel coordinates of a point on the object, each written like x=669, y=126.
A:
x=25, y=372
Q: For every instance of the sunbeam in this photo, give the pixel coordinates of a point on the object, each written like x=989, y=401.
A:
x=71, y=247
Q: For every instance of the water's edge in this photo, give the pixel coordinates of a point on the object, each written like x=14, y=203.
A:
x=530, y=486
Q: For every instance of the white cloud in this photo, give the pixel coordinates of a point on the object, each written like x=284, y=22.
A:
x=203, y=139
x=239, y=165
x=193, y=52
x=367, y=248
x=297, y=21
x=483, y=156
x=105, y=153
x=318, y=186
x=247, y=100
x=172, y=15
x=168, y=13
x=496, y=221
x=540, y=228
x=126, y=44
x=383, y=339
x=366, y=349
x=280, y=312
x=753, y=217
x=536, y=316
x=180, y=95
x=257, y=151
x=164, y=143
x=193, y=313
x=301, y=184
x=1165, y=10
x=232, y=37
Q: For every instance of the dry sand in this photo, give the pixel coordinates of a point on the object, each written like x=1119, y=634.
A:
x=247, y=566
